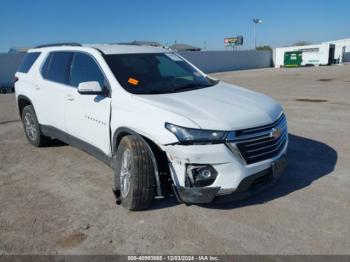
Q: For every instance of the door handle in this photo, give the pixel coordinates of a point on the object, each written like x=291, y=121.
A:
x=37, y=87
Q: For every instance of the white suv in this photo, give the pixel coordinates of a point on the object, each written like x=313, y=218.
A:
x=154, y=118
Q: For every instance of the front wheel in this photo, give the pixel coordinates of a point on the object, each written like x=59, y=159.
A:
x=134, y=174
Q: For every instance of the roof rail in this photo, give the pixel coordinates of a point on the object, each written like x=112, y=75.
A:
x=59, y=44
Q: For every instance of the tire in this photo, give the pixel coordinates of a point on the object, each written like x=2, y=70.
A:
x=134, y=174
x=32, y=129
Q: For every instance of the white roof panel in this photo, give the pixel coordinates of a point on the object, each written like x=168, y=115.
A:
x=127, y=49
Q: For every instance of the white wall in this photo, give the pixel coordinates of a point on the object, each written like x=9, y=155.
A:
x=219, y=61
x=209, y=61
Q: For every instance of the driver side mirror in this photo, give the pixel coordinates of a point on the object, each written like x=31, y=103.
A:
x=90, y=88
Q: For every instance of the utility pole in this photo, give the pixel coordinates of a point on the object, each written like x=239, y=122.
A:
x=256, y=21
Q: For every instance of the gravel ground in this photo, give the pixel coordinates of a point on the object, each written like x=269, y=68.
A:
x=58, y=200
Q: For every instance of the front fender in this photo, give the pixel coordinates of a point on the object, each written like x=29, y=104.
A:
x=117, y=137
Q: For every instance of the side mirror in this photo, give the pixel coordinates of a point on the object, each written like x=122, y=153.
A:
x=90, y=88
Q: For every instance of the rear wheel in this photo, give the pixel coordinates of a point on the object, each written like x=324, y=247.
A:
x=31, y=127
x=134, y=174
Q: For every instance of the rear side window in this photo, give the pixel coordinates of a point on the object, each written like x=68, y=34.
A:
x=85, y=69
x=56, y=67
x=28, y=61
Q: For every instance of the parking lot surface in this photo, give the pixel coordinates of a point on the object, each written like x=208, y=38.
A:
x=58, y=199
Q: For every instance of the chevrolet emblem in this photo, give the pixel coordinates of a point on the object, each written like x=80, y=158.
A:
x=276, y=133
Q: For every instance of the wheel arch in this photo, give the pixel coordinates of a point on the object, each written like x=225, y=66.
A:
x=22, y=102
x=158, y=156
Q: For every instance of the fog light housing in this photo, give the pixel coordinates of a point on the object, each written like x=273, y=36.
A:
x=200, y=175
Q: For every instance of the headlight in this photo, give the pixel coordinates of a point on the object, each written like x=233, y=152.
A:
x=191, y=135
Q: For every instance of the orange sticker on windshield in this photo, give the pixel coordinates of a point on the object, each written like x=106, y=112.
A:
x=133, y=81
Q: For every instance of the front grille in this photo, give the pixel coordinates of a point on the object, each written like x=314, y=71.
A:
x=258, y=144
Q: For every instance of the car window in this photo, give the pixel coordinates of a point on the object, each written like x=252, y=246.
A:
x=156, y=73
x=85, y=69
x=28, y=61
x=45, y=66
x=167, y=69
x=59, y=65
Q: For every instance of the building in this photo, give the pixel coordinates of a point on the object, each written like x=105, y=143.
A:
x=342, y=49
x=184, y=47
x=147, y=43
x=330, y=52
x=307, y=55
x=14, y=50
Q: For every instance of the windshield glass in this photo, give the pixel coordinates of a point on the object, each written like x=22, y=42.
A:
x=158, y=73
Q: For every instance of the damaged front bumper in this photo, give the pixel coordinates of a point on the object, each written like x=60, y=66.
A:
x=248, y=187
x=235, y=180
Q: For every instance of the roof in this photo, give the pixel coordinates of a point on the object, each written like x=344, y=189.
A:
x=18, y=49
x=127, y=49
x=342, y=41
x=298, y=47
x=184, y=47
x=108, y=48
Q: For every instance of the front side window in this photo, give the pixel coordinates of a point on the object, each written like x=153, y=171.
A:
x=56, y=67
x=85, y=69
x=156, y=73
x=28, y=61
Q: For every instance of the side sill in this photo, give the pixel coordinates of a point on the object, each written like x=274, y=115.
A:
x=78, y=143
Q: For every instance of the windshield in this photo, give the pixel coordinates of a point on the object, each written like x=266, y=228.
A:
x=158, y=73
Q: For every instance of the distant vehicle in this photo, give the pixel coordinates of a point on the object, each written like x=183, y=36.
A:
x=150, y=114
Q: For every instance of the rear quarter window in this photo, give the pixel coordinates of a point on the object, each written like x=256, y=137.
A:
x=28, y=61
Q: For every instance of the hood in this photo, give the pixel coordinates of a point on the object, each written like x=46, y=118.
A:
x=220, y=107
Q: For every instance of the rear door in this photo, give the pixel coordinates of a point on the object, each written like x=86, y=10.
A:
x=87, y=116
x=54, y=87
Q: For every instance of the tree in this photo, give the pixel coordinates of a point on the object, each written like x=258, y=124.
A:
x=264, y=48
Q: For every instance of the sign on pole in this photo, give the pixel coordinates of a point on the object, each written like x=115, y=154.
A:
x=233, y=41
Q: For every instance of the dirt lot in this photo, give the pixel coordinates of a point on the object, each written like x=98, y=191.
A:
x=58, y=200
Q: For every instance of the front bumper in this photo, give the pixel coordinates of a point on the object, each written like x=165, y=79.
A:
x=248, y=187
x=235, y=179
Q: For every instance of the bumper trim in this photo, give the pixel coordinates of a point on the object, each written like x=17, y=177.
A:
x=196, y=195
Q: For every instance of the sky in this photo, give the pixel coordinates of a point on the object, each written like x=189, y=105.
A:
x=203, y=23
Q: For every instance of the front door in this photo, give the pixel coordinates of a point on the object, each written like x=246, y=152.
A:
x=87, y=116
